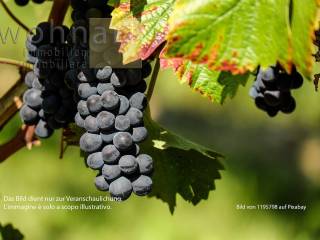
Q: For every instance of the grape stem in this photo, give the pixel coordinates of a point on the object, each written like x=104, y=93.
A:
x=14, y=18
x=154, y=78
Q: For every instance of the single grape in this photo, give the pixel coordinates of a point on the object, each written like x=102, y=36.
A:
x=21, y=2
x=42, y=114
x=85, y=90
x=32, y=98
x=110, y=154
x=28, y=115
x=259, y=84
x=101, y=183
x=272, y=111
x=91, y=124
x=94, y=103
x=135, y=116
x=122, y=123
x=42, y=129
x=121, y=188
x=29, y=78
x=83, y=108
x=105, y=120
x=288, y=106
x=253, y=92
x=79, y=120
x=90, y=142
x=142, y=186
x=139, y=134
x=111, y=172
x=146, y=69
x=95, y=160
x=104, y=74
x=145, y=164
x=297, y=81
x=124, y=105
x=38, y=1
x=128, y=164
x=267, y=75
x=272, y=98
x=30, y=47
x=118, y=79
x=260, y=102
x=123, y=141
x=138, y=100
x=110, y=100
x=102, y=87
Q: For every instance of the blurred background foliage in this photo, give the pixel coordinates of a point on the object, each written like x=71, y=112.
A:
x=269, y=161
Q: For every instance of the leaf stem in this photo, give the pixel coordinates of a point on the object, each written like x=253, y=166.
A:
x=14, y=18
x=153, y=80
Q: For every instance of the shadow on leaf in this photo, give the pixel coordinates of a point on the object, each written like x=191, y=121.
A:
x=181, y=167
x=8, y=232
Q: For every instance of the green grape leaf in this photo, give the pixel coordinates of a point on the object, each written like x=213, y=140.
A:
x=113, y=3
x=181, y=167
x=237, y=36
x=303, y=28
x=8, y=232
x=215, y=85
x=142, y=26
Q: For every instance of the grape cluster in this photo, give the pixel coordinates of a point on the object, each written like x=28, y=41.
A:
x=48, y=103
x=110, y=109
x=272, y=90
x=25, y=2
x=111, y=112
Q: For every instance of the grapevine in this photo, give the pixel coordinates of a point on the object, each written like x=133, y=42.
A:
x=105, y=110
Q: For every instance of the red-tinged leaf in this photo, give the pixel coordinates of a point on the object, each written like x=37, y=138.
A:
x=237, y=36
x=141, y=27
x=215, y=85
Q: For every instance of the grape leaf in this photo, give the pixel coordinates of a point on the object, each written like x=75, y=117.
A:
x=181, y=167
x=303, y=26
x=217, y=86
x=113, y=3
x=142, y=26
x=8, y=232
x=237, y=36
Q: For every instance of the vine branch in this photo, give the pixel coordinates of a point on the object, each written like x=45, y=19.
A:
x=14, y=18
x=24, y=137
x=58, y=11
x=16, y=63
x=153, y=80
